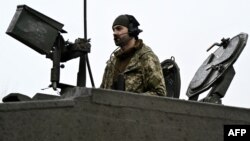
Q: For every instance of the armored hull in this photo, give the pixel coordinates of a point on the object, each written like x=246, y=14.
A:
x=84, y=114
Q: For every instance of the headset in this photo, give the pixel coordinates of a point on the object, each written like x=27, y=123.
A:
x=133, y=26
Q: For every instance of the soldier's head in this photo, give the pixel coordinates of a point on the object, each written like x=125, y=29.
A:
x=125, y=27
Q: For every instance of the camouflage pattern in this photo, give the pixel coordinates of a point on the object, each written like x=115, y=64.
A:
x=143, y=74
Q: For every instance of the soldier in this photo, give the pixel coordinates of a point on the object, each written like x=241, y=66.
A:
x=133, y=66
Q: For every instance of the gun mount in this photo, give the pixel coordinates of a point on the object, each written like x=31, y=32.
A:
x=43, y=34
x=217, y=70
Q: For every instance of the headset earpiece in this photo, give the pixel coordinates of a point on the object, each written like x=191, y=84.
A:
x=133, y=26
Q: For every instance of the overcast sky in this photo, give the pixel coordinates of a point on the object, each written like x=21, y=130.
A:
x=179, y=28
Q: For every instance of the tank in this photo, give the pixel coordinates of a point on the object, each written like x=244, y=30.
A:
x=93, y=114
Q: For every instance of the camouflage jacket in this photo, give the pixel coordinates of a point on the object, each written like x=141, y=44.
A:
x=143, y=74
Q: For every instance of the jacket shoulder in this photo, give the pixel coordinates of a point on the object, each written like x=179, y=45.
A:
x=146, y=52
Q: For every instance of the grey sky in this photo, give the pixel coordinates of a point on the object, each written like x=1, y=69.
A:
x=183, y=29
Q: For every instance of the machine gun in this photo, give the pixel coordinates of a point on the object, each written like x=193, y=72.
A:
x=43, y=34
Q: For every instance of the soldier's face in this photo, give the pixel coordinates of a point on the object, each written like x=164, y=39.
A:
x=121, y=35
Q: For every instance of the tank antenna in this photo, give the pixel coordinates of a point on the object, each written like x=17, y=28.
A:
x=81, y=77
